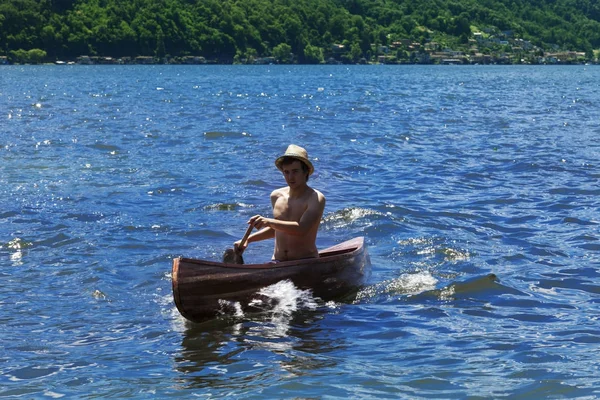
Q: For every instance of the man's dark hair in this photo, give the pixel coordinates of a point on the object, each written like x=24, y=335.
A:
x=289, y=160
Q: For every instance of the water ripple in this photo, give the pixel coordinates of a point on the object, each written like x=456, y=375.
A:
x=475, y=188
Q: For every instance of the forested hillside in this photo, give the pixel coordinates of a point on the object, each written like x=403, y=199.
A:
x=298, y=31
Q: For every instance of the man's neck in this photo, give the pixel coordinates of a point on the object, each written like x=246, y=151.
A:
x=298, y=191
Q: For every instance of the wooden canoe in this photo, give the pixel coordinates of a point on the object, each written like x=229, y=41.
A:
x=200, y=286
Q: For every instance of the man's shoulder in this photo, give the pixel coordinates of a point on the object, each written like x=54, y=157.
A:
x=318, y=196
x=318, y=193
x=280, y=192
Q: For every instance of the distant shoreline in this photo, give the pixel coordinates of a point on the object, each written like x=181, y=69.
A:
x=567, y=58
x=277, y=64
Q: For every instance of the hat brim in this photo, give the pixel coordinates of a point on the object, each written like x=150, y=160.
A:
x=305, y=160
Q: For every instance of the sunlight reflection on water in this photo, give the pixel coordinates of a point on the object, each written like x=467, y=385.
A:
x=476, y=189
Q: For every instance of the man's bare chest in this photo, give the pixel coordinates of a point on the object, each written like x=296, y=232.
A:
x=287, y=209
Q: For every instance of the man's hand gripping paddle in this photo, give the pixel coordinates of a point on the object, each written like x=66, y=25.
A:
x=234, y=256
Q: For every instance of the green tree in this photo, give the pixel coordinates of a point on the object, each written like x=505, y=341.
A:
x=355, y=52
x=313, y=54
x=33, y=56
x=160, y=43
x=220, y=29
x=36, y=56
x=18, y=56
x=282, y=52
x=49, y=39
x=126, y=39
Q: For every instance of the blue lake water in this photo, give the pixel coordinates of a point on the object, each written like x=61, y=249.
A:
x=477, y=189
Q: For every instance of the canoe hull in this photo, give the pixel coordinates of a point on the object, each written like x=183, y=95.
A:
x=200, y=287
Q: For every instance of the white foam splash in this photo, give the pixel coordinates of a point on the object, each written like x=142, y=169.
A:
x=227, y=307
x=350, y=216
x=284, y=298
x=53, y=395
x=415, y=241
x=414, y=283
x=447, y=294
x=456, y=255
x=17, y=256
x=431, y=247
x=279, y=302
x=406, y=284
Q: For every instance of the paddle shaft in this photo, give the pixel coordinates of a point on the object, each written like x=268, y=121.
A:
x=246, y=235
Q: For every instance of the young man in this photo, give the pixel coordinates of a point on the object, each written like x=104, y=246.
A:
x=297, y=211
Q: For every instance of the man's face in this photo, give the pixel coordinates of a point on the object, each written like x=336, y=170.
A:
x=293, y=173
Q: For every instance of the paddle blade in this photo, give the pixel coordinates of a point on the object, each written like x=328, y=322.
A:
x=233, y=257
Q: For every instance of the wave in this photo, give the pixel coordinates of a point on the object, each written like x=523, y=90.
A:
x=349, y=216
x=219, y=135
x=225, y=206
x=421, y=286
x=274, y=306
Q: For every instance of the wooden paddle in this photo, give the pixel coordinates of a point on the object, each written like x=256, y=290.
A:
x=232, y=256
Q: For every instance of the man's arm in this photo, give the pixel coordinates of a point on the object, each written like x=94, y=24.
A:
x=267, y=233
x=264, y=234
x=310, y=218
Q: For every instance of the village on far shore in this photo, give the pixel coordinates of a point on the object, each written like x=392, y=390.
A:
x=483, y=49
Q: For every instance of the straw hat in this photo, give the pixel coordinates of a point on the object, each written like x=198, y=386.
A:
x=299, y=154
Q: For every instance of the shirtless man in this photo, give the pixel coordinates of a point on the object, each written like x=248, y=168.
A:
x=297, y=211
